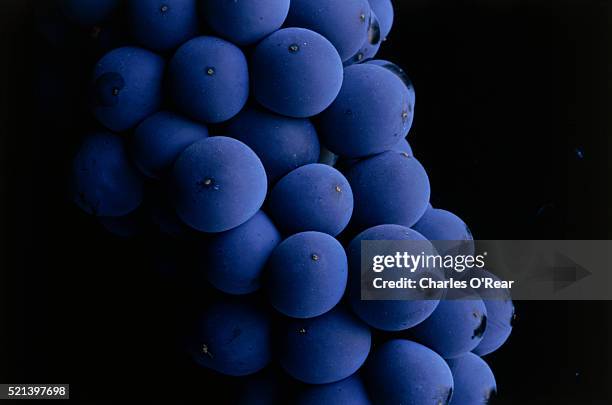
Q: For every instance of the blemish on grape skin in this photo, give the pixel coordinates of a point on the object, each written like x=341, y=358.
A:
x=338, y=189
x=314, y=257
x=480, y=330
x=302, y=331
x=294, y=48
x=210, y=71
x=164, y=8
x=362, y=17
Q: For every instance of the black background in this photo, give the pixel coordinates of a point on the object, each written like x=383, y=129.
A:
x=507, y=92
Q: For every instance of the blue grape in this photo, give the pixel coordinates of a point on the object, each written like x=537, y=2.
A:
x=405, y=372
x=456, y=327
x=163, y=25
x=370, y=115
x=390, y=188
x=283, y=144
x=385, y=14
x=219, y=183
x=103, y=182
x=343, y=22
x=389, y=315
x=306, y=275
x=451, y=235
x=325, y=349
x=245, y=22
x=127, y=85
x=500, y=315
x=233, y=338
x=160, y=139
x=296, y=72
x=240, y=273
x=474, y=381
x=314, y=197
x=349, y=391
x=88, y=12
x=209, y=79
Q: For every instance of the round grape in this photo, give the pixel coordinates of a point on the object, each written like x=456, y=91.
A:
x=314, y=197
x=219, y=183
x=390, y=188
x=296, y=72
x=370, y=115
x=306, y=275
x=127, y=87
x=233, y=338
x=325, y=349
x=209, y=79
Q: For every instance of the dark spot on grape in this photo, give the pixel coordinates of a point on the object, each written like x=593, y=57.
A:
x=359, y=57
x=314, y=257
x=107, y=89
x=164, y=8
x=362, y=17
x=405, y=154
x=373, y=31
x=480, y=330
x=405, y=116
x=210, y=71
x=338, y=189
x=449, y=395
x=294, y=48
x=302, y=331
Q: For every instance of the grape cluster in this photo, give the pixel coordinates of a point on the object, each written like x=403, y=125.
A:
x=267, y=131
